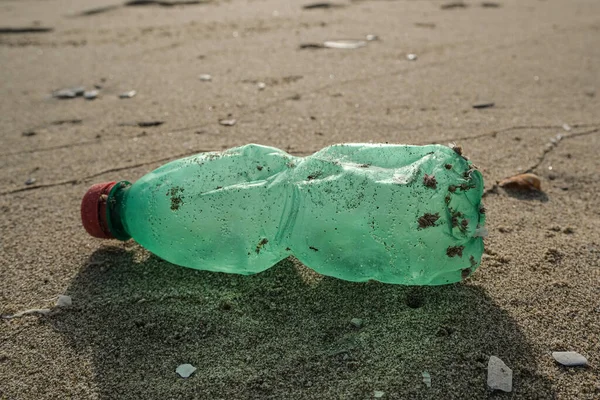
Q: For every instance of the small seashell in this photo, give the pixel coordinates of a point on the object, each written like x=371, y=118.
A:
x=522, y=182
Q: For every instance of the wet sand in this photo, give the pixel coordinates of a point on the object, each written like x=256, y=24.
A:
x=286, y=333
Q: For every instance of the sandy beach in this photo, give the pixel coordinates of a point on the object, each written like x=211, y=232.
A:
x=515, y=83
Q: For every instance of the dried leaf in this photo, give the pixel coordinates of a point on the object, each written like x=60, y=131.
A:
x=522, y=182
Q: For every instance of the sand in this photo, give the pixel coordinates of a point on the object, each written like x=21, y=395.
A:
x=286, y=333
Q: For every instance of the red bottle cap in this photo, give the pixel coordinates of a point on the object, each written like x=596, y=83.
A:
x=93, y=210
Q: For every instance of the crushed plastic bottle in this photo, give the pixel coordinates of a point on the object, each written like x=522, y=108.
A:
x=393, y=213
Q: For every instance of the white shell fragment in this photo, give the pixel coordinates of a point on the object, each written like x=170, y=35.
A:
x=205, y=78
x=345, y=44
x=64, y=301
x=261, y=85
x=411, y=57
x=426, y=378
x=570, y=359
x=127, y=95
x=227, y=122
x=185, y=370
x=499, y=375
x=356, y=322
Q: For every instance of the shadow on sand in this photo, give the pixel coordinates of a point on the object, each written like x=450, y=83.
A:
x=285, y=334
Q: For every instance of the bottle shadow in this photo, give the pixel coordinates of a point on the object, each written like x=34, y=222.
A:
x=284, y=333
x=532, y=195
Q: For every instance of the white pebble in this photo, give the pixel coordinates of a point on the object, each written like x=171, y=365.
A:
x=205, y=77
x=64, y=301
x=499, y=375
x=426, y=379
x=570, y=358
x=128, y=95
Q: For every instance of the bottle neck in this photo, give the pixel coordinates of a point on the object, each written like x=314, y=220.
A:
x=115, y=210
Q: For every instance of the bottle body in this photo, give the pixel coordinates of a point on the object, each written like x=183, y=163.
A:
x=397, y=214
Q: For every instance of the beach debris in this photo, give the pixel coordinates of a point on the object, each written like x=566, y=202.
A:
x=127, y=95
x=377, y=394
x=30, y=181
x=321, y=5
x=371, y=37
x=185, y=370
x=356, y=322
x=411, y=57
x=311, y=46
x=143, y=124
x=453, y=5
x=98, y=10
x=261, y=85
x=69, y=93
x=499, y=375
x=484, y=105
x=90, y=94
x=27, y=29
x=570, y=359
x=64, y=301
x=426, y=378
x=33, y=311
x=566, y=127
x=162, y=3
x=490, y=4
x=28, y=133
x=348, y=44
x=205, y=78
x=525, y=182
x=227, y=122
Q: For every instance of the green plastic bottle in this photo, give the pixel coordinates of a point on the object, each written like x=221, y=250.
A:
x=393, y=213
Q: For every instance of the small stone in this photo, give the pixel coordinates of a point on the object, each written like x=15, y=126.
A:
x=411, y=57
x=570, y=359
x=127, y=95
x=261, y=85
x=205, y=77
x=64, y=94
x=378, y=394
x=227, y=122
x=426, y=378
x=64, y=301
x=30, y=181
x=356, y=322
x=90, y=94
x=185, y=370
x=499, y=375
x=483, y=105
x=371, y=38
x=79, y=91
